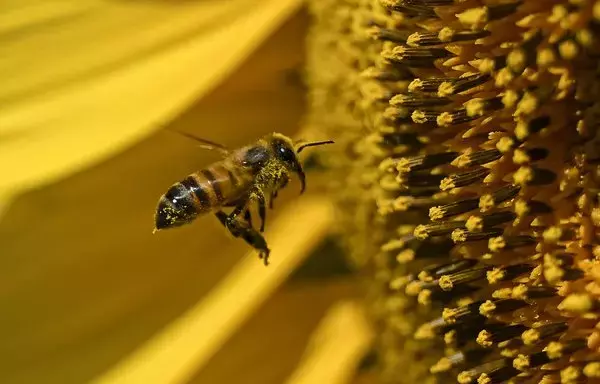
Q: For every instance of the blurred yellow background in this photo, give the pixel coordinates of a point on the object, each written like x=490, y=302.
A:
x=91, y=92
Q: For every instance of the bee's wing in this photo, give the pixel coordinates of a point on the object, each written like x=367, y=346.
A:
x=207, y=144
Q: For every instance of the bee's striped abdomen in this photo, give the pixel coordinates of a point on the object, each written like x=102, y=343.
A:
x=182, y=203
x=198, y=193
x=226, y=182
x=213, y=183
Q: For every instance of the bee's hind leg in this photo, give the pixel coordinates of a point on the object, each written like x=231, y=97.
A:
x=258, y=242
x=248, y=218
x=224, y=219
x=246, y=232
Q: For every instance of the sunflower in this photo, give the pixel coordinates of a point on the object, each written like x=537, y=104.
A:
x=467, y=180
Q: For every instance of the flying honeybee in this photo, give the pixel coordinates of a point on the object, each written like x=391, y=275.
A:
x=245, y=175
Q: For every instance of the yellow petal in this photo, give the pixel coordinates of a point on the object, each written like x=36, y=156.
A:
x=84, y=80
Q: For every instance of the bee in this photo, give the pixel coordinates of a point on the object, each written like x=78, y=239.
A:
x=243, y=176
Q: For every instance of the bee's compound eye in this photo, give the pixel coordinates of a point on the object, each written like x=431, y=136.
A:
x=285, y=153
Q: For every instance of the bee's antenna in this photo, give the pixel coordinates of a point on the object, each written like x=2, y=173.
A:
x=313, y=144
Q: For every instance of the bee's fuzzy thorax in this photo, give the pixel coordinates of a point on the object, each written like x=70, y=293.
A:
x=280, y=136
x=468, y=178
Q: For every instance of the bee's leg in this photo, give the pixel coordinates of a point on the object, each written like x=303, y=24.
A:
x=224, y=219
x=231, y=218
x=262, y=211
x=255, y=195
x=248, y=218
x=273, y=196
x=258, y=242
x=246, y=232
x=222, y=216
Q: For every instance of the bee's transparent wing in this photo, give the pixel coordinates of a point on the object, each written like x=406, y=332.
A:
x=206, y=144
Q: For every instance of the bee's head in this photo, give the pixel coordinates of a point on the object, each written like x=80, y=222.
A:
x=285, y=151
